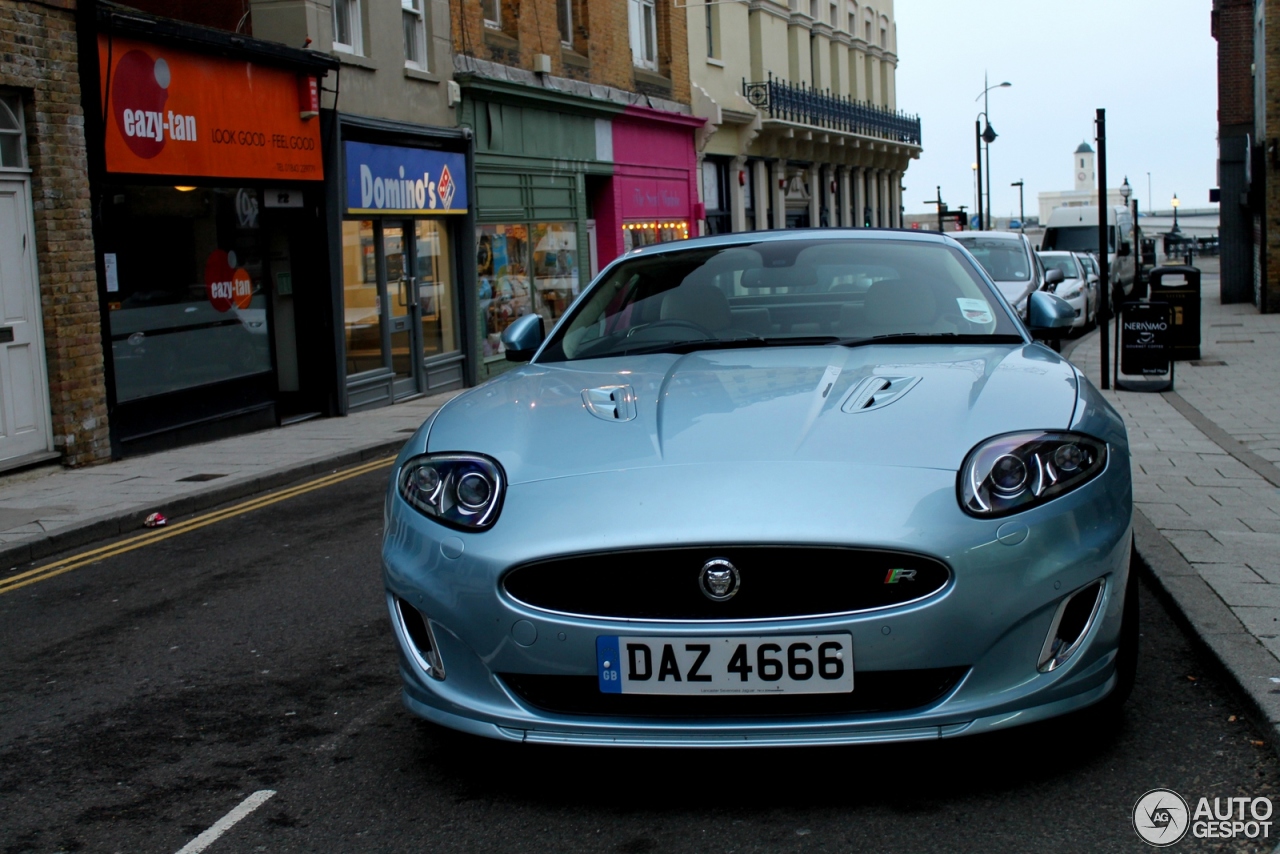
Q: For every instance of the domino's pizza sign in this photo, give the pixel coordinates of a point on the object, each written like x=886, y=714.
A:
x=390, y=179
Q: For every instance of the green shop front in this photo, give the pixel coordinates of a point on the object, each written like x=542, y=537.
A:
x=541, y=158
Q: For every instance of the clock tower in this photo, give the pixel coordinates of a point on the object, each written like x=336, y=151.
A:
x=1082, y=166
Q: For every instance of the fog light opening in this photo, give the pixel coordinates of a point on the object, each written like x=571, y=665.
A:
x=416, y=629
x=1071, y=622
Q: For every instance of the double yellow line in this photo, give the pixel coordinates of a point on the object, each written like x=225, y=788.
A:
x=22, y=579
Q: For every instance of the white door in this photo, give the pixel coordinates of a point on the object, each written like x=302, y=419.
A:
x=24, y=390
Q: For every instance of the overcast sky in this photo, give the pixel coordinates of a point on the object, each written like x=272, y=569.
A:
x=1150, y=63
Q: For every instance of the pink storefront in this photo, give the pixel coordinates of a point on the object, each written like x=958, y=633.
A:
x=653, y=196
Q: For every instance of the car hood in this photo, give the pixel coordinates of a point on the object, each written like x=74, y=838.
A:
x=751, y=405
x=1015, y=292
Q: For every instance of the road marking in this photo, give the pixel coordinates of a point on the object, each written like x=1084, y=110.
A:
x=137, y=541
x=227, y=822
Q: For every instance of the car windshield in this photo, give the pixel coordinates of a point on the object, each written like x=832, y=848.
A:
x=1077, y=238
x=1065, y=263
x=783, y=292
x=1004, y=260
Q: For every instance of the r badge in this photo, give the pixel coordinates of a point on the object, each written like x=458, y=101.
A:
x=893, y=576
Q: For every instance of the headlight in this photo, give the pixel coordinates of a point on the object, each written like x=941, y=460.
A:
x=459, y=490
x=1011, y=473
x=1072, y=294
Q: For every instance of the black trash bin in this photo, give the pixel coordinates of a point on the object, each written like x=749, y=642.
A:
x=1182, y=293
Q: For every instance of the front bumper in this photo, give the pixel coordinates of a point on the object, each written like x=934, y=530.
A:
x=1008, y=578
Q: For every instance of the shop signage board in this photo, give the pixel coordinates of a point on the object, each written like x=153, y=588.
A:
x=653, y=198
x=173, y=112
x=1145, y=333
x=392, y=179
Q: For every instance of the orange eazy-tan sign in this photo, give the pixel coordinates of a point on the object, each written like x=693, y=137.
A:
x=170, y=112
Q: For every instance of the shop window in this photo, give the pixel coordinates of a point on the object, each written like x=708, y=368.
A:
x=415, y=33
x=524, y=269
x=502, y=271
x=643, y=25
x=362, y=310
x=555, y=268
x=186, y=288
x=12, y=155
x=637, y=234
x=492, y=11
x=347, y=35
x=434, y=278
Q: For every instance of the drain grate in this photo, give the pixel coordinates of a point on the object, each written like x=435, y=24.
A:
x=408, y=430
x=1226, y=324
x=200, y=478
x=1237, y=341
x=1208, y=363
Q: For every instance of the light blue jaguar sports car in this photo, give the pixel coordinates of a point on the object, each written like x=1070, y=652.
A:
x=806, y=487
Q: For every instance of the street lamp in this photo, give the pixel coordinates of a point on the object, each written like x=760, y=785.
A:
x=988, y=136
x=1022, y=216
x=1175, y=204
x=1126, y=190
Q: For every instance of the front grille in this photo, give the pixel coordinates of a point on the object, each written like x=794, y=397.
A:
x=776, y=582
x=873, y=691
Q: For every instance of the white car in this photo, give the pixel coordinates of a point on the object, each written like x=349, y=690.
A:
x=1077, y=287
x=1009, y=260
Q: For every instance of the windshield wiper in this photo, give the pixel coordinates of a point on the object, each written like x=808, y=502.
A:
x=931, y=338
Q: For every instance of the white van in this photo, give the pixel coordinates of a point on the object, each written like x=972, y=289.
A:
x=1076, y=230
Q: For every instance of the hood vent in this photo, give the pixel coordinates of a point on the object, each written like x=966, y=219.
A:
x=875, y=392
x=610, y=402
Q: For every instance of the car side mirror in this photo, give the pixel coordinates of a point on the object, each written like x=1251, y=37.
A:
x=1054, y=276
x=1049, y=316
x=523, y=338
x=1125, y=251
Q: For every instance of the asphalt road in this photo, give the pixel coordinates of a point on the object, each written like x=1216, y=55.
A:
x=145, y=696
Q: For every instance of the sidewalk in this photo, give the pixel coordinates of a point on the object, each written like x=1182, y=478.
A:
x=1207, y=487
x=51, y=509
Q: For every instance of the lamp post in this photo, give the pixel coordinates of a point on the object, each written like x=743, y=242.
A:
x=988, y=136
x=1125, y=192
x=1175, y=204
x=1022, y=216
x=977, y=189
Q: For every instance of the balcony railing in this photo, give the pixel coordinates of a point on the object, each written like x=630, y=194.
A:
x=803, y=104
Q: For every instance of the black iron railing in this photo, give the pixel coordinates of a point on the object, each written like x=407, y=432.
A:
x=803, y=104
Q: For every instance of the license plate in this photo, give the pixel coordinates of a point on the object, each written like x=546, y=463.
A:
x=729, y=666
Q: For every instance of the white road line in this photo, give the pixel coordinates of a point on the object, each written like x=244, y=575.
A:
x=227, y=822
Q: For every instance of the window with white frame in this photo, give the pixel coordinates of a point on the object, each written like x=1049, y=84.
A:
x=564, y=17
x=415, y=33
x=346, y=26
x=643, y=23
x=492, y=11
x=12, y=155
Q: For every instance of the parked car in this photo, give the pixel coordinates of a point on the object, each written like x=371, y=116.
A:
x=790, y=488
x=1077, y=287
x=1075, y=229
x=1010, y=262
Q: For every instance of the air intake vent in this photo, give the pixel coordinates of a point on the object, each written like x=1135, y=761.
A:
x=611, y=402
x=875, y=392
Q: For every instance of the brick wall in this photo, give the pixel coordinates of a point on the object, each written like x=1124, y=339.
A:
x=38, y=59
x=601, y=51
x=1233, y=28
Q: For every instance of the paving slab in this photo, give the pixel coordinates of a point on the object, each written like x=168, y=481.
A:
x=1207, y=514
